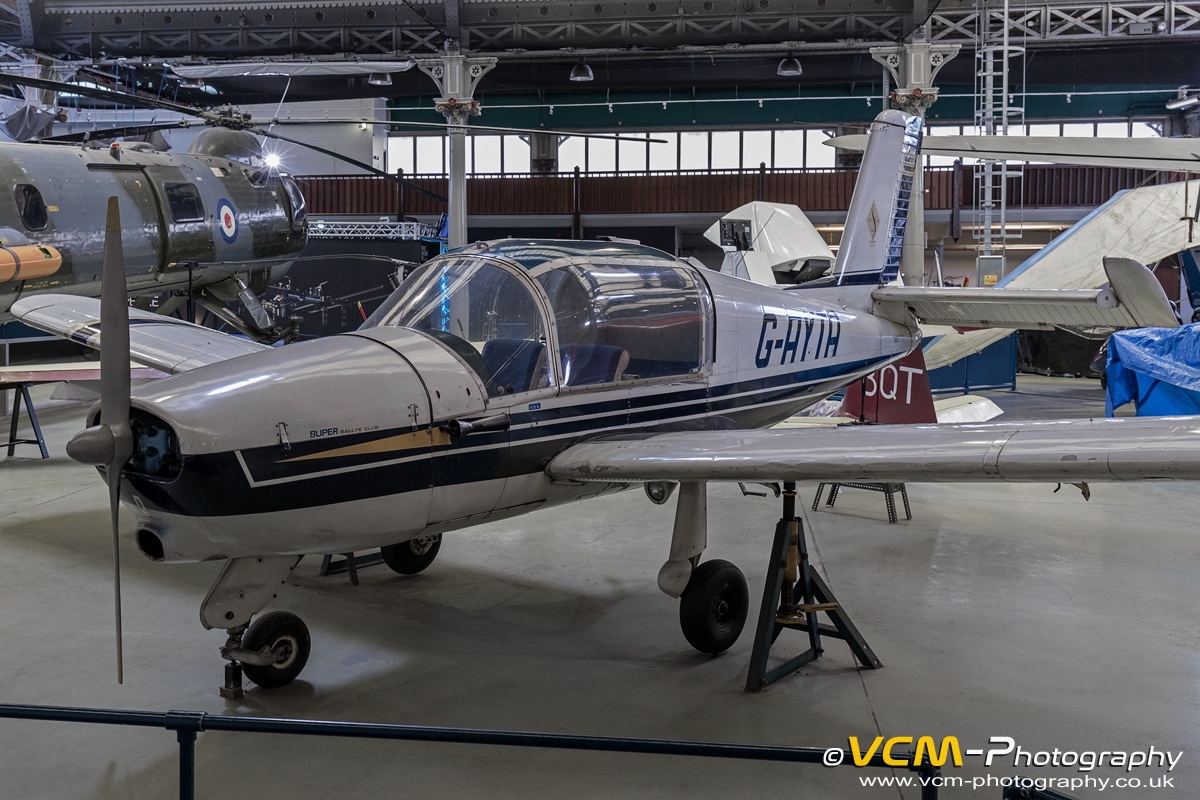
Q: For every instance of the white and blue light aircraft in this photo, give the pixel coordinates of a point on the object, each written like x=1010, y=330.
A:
x=509, y=376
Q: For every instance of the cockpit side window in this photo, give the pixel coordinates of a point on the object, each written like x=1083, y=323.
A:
x=184, y=200
x=625, y=323
x=296, y=201
x=31, y=207
x=484, y=313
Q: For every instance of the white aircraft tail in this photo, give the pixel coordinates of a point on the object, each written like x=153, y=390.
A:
x=874, y=235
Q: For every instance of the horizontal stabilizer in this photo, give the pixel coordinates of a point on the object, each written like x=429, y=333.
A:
x=1122, y=449
x=165, y=343
x=1133, y=299
x=1140, y=224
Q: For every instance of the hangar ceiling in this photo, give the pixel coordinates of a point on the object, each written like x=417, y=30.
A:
x=631, y=46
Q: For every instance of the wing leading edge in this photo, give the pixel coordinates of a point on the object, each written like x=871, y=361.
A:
x=166, y=343
x=1125, y=449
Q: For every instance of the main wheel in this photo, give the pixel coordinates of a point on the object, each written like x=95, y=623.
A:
x=409, y=558
x=285, y=632
x=712, y=609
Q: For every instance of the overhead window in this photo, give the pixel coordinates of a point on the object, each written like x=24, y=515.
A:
x=184, y=200
x=31, y=207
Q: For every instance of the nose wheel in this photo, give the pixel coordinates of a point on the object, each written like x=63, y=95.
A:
x=271, y=652
x=713, y=607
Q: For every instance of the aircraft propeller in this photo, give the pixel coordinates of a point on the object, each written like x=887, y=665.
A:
x=109, y=443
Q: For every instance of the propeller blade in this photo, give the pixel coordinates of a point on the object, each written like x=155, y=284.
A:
x=114, y=505
x=115, y=388
x=352, y=161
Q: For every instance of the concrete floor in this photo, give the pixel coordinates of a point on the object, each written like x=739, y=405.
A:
x=1000, y=610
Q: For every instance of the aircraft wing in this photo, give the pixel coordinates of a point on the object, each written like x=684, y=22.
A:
x=1172, y=155
x=166, y=343
x=1133, y=299
x=1121, y=449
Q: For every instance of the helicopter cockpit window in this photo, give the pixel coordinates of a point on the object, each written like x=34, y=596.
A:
x=484, y=313
x=296, y=201
x=185, y=203
x=31, y=207
x=626, y=323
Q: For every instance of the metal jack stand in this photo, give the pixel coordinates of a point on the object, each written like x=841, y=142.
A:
x=793, y=595
x=232, y=690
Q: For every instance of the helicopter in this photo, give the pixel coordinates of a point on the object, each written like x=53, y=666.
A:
x=216, y=224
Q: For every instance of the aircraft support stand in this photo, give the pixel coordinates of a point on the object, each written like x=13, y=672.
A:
x=793, y=596
x=232, y=690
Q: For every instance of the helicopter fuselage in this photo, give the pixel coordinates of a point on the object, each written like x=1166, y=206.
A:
x=188, y=218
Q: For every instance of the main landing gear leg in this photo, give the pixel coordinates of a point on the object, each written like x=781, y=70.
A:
x=793, y=596
x=274, y=649
x=713, y=600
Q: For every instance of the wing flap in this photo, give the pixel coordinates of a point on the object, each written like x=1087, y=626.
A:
x=168, y=344
x=1125, y=449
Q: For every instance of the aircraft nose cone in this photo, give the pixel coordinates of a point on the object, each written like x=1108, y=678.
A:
x=95, y=446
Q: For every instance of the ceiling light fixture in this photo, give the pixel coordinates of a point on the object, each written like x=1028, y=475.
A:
x=581, y=72
x=1183, y=101
x=380, y=79
x=789, y=67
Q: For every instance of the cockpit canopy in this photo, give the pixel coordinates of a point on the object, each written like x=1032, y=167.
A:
x=608, y=323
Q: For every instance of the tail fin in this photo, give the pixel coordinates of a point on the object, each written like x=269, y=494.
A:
x=874, y=233
x=896, y=394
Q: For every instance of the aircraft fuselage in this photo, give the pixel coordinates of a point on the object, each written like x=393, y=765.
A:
x=341, y=444
x=221, y=216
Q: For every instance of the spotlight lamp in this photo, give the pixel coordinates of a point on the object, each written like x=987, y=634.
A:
x=789, y=67
x=581, y=72
x=1184, y=100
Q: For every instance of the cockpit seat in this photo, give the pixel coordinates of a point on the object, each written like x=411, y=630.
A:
x=513, y=363
x=585, y=364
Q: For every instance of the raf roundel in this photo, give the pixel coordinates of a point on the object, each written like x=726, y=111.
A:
x=227, y=220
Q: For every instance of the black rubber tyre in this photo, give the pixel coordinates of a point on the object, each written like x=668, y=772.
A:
x=411, y=557
x=713, y=607
x=270, y=630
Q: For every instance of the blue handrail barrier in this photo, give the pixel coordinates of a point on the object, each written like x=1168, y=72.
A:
x=186, y=724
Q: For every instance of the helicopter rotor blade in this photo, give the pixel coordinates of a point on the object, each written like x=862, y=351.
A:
x=108, y=95
x=103, y=134
x=354, y=162
x=473, y=127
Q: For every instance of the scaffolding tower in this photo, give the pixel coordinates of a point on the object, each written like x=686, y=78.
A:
x=994, y=112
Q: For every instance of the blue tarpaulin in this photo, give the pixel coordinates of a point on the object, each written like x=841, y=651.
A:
x=1157, y=369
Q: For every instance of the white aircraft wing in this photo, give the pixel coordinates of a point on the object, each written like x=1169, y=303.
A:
x=1121, y=449
x=1172, y=155
x=165, y=343
x=1133, y=299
